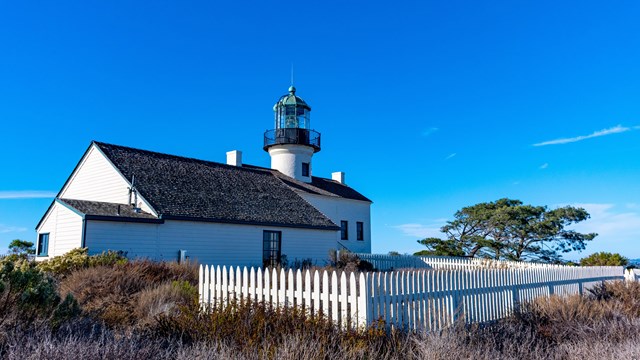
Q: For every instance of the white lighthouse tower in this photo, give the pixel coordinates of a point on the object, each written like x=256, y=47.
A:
x=292, y=143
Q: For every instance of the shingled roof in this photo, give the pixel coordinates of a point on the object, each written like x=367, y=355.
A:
x=191, y=189
x=107, y=211
x=322, y=186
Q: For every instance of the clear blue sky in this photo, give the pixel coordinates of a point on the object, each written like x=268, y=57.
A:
x=427, y=106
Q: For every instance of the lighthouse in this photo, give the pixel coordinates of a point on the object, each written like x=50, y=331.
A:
x=292, y=143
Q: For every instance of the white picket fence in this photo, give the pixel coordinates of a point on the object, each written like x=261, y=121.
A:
x=415, y=299
x=397, y=262
x=632, y=275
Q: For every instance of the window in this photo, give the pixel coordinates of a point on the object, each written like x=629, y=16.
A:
x=43, y=244
x=360, y=230
x=271, y=247
x=344, y=230
x=305, y=169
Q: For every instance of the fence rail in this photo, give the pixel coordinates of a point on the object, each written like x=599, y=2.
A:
x=415, y=299
x=396, y=262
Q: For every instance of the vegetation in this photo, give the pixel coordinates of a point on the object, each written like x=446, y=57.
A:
x=28, y=296
x=604, y=259
x=77, y=259
x=21, y=247
x=347, y=261
x=131, y=294
x=507, y=229
x=143, y=309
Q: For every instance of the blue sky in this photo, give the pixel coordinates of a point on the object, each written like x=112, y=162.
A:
x=427, y=106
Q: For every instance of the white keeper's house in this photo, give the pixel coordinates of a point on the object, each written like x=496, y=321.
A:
x=168, y=207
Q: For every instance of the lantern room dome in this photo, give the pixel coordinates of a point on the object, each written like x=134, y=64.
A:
x=291, y=99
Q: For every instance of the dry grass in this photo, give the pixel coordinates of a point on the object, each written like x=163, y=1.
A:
x=147, y=310
x=112, y=293
x=503, y=341
x=610, y=312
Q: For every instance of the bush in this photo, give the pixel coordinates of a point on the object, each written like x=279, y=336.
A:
x=604, y=259
x=79, y=258
x=111, y=293
x=166, y=300
x=348, y=262
x=27, y=295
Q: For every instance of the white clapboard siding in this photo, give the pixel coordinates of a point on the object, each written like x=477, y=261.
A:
x=97, y=179
x=419, y=299
x=64, y=228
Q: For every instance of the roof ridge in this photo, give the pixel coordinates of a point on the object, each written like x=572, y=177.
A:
x=99, y=143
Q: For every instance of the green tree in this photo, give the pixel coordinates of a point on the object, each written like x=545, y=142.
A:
x=507, y=229
x=21, y=247
x=604, y=259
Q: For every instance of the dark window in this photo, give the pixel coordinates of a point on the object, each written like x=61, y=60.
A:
x=290, y=109
x=344, y=230
x=305, y=169
x=43, y=245
x=360, y=230
x=271, y=247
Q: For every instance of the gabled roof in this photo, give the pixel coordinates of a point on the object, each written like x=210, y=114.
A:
x=191, y=189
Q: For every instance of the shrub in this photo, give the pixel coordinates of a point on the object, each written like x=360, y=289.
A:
x=165, y=299
x=348, y=262
x=79, y=258
x=111, y=293
x=27, y=294
x=604, y=259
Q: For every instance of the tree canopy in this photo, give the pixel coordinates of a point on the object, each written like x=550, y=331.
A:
x=604, y=259
x=21, y=247
x=506, y=229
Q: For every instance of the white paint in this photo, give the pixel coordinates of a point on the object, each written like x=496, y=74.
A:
x=343, y=299
x=409, y=300
x=288, y=160
x=393, y=262
x=205, y=242
x=353, y=211
x=97, y=179
x=338, y=176
x=64, y=228
x=234, y=158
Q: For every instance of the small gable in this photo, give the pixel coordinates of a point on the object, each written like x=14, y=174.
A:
x=96, y=179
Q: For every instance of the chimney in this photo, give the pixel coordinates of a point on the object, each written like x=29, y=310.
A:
x=338, y=176
x=234, y=158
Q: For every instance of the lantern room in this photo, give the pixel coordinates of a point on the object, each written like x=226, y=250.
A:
x=292, y=123
x=291, y=112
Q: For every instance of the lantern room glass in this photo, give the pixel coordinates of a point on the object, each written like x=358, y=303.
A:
x=292, y=117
